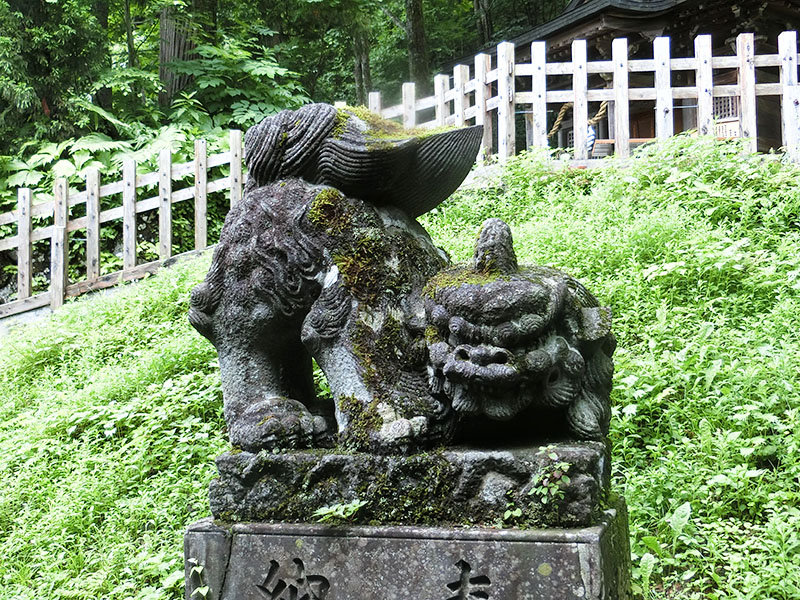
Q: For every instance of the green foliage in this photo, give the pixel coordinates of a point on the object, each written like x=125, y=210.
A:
x=549, y=484
x=238, y=83
x=338, y=513
x=110, y=412
x=694, y=248
x=111, y=418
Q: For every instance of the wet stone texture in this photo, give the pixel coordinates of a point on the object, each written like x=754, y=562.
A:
x=553, y=485
x=314, y=562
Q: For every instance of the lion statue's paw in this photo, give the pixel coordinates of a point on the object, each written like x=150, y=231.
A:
x=277, y=423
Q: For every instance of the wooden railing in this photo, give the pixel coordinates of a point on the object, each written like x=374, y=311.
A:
x=94, y=218
x=489, y=92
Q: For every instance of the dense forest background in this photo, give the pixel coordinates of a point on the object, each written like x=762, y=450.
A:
x=124, y=68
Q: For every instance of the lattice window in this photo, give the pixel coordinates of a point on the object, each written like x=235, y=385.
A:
x=726, y=107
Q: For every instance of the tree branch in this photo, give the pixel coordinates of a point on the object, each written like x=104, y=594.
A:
x=400, y=25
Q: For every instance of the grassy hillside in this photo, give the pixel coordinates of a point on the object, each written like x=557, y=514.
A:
x=110, y=412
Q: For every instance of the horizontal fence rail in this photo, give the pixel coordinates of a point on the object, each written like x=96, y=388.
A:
x=60, y=208
x=494, y=89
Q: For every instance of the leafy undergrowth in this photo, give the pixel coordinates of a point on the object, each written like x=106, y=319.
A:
x=694, y=246
x=110, y=419
x=110, y=413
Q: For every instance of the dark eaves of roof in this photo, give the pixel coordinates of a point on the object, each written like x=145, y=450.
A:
x=576, y=12
x=586, y=10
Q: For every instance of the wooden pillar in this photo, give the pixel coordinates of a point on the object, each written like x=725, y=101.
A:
x=200, y=194
x=440, y=84
x=745, y=51
x=128, y=214
x=506, y=132
x=374, y=102
x=538, y=120
x=165, y=204
x=59, y=252
x=24, y=244
x=622, y=120
x=580, y=106
x=236, y=166
x=92, y=224
x=790, y=94
x=460, y=78
x=409, y=105
x=483, y=91
x=704, y=79
x=663, y=81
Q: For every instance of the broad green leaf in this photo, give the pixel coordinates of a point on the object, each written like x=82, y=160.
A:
x=680, y=518
x=64, y=168
x=98, y=142
x=173, y=578
x=652, y=543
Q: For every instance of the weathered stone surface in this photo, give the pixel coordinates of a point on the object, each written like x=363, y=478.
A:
x=317, y=562
x=504, y=370
x=417, y=354
x=362, y=155
x=505, y=340
x=559, y=484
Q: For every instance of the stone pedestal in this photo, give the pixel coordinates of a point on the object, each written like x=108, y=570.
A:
x=261, y=561
x=557, y=485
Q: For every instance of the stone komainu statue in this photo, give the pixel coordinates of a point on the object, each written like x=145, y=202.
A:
x=323, y=259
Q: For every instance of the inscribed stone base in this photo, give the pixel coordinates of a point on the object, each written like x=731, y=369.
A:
x=317, y=562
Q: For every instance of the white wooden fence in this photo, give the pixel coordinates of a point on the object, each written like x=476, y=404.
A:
x=59, y=209
x=486, y=92
x=490, y=92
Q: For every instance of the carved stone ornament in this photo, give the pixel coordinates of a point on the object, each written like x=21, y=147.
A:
x=323, y=259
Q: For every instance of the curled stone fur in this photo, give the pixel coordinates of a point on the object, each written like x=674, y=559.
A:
x=506, y=340
x=323, y=259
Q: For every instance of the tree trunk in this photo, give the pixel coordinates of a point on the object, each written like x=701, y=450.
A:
x=176, y=44
x=133, y=60
x=418, y=65
x=483, y=16
x=103, y=96
x=361, y=69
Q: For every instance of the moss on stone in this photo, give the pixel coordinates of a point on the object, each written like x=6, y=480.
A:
x=364, y=421
x=362, y=264
x=381, y=129
x=453, y=278
x=330, y=211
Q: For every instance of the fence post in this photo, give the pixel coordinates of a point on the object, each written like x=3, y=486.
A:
x=200, y=194
x=236, y=166
x=663, y=81
x=704, y=79
x=374, y=100
x=460, y=78
x=58, y=244
x=538, y=116
x=24, y=247
x=745, y=51
x=506, y=133
x=165, y=204
x=622, y=121
x=409, y=105
x=483, y=64
x=128, y=214
x=440, y=84
x=580, y=106
x=92, y=224
x=790, y=100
